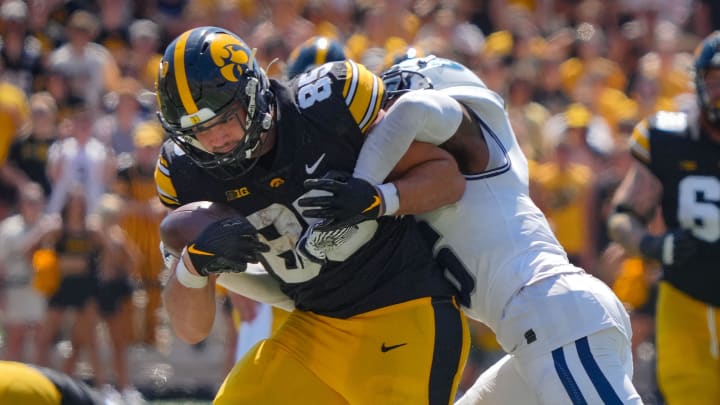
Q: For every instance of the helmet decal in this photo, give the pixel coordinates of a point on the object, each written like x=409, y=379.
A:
x=181, y=79
x=229, y=54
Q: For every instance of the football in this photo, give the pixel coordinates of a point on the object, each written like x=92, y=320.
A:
x=186, y=222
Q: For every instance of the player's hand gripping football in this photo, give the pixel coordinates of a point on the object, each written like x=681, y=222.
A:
x=674, y=247
x=352, y=201
x=225, y=246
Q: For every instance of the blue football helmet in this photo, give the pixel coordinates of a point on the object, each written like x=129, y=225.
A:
x=707, y=56
x=206, y=76
x=314, y=52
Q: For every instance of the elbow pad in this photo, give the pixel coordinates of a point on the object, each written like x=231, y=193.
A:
x=436, y=116
x=422, y=115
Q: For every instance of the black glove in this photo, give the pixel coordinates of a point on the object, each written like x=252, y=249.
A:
x=352, y=201
x=671, y=248
x=226, y=246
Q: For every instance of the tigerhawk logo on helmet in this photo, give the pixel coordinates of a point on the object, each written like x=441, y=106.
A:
x=229, y=54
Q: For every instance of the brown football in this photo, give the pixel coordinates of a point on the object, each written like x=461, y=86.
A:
x=186, y=222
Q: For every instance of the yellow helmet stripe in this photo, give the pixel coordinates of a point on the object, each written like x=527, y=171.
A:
x=181, y=76
x=321, y=54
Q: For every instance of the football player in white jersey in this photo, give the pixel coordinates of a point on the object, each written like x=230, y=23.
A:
x=566, y=334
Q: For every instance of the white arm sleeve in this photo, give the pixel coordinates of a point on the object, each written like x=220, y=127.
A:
x=423, y=115
x=257, y=285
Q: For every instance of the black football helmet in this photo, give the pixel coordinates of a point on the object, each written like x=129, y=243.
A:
x=206, y=76
x=707, y=56
x=314, y=52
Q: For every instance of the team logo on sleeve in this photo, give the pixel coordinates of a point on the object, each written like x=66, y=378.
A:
x=277, y=182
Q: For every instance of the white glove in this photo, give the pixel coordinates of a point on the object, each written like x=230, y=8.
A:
x=335, y=245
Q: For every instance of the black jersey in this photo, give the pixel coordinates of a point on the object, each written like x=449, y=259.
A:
x=321, y=119
x=26, y=68
x=687, y=164
x=30, y=155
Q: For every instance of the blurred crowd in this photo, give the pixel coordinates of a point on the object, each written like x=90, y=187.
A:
x=79, y=136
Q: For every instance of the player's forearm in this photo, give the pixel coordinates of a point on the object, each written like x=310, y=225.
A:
x=626, y=231
x=428, y=186
x=191, y=310
x=635, y=201
x=260, y=287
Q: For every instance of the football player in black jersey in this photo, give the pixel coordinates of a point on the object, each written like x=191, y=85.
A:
x=677, y=169
x=376, y=321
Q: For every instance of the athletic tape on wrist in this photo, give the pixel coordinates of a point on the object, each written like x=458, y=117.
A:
x=390, y=198
x=188, y=279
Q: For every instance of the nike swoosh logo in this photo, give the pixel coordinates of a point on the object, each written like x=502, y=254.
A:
x=311, y=169
x=384, y=348
x=375, y=203
x=192, y=249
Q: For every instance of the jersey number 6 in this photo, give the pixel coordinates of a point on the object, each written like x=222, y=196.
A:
x=698, y=199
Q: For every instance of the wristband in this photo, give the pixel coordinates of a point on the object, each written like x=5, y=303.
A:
x=187, y=279
x=668, y=249
x=390, y=198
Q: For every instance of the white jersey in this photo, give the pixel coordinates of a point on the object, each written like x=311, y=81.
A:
x=496, y=231
x=566, y=334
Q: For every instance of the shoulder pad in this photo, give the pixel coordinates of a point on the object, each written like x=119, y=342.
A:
x=663, y=123
x=363, y=91
x=324, y=86
x=668, y=121
x=640, y=142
